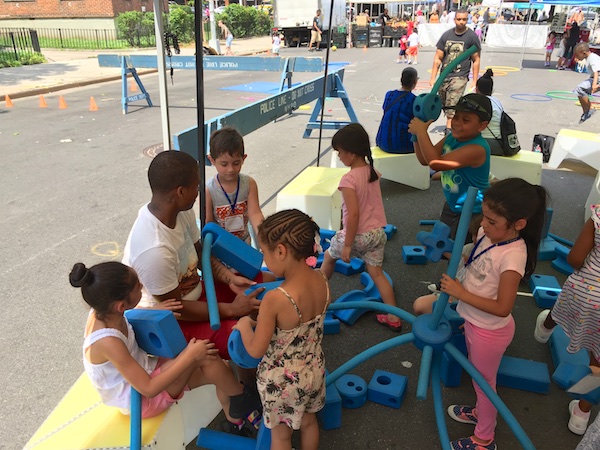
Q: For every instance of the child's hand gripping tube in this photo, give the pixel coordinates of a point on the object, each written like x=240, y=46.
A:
x=429, y=106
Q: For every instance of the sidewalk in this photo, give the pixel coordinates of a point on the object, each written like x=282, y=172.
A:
x=67, y=69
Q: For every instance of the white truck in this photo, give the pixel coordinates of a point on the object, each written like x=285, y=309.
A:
x=293, y=18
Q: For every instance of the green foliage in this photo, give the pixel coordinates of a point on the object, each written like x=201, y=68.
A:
x=135, y=27
x=23, y=59
x=181, y=23
x=245, y=21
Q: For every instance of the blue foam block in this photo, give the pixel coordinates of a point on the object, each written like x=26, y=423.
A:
x=233, y=251
x=157, y=332
x=268, y=286
x=331, y=414
x=238, y=352
x=332, y=325
x=413, y=254
x=326, y=236
x=523, y=374
x=567, y=374
x=217, y=440
x=387, y=388
x=545, y=298
x=356, y=265
x=390, y=230
x=349, y=316
x=558, y=349
x=560, y=262
x=263, y=440
x=543, y=281
x=369, y=285
x=436, y=242
x=353, y=390
x=547, y=249
x=451, y=371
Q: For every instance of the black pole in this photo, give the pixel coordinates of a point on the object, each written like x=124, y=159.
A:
x=325, y=81
x=199, y=32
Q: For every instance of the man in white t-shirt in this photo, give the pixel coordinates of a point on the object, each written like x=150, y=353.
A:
x=589, y=86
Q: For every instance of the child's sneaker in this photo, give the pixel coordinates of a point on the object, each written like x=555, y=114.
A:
x=579, y=420
x=240, y=405
x=470, y=444
x=463, y=414
x=541, y=333
x=232, y=428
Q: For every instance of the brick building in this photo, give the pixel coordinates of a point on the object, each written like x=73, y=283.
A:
x=98, y=14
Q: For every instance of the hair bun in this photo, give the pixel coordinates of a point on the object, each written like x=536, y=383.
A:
x=80, y=275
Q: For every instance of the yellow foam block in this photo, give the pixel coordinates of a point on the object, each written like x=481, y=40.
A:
x=315, y=192
x=525, y=164
x=401, y=168
x=82, y=421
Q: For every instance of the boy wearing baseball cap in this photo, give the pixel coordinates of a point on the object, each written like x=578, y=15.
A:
x=463, y=156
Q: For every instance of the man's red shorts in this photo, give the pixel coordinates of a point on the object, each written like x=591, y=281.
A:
x=202, y=330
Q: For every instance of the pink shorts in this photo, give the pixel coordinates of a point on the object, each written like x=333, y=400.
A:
x=152, y=407
x=202, y=330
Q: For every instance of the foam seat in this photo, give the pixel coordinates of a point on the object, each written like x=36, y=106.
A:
x=400, y=168
x=82, y=421
x=581, y=145
x=525, y=164
x=315, y=192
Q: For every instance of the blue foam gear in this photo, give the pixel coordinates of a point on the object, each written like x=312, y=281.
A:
x=157, y=332
x=233, y=251
x=436, y=242
x=238, y=353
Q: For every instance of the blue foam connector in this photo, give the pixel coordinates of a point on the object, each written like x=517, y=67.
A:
x=559, y=342
x=157, y=332
x=451, y=372
x=268, y=286
x=537, y=281
x=217, y=440
x=233, y=251
x=455, y=320
x=560, y=262
x=349, y=316
x=390, y=230
x=436, y=242
x=413, y=254
x=523, y=374
x=238, y=352
x=547, y=249
x=545, y=298
x=369, y=285
x=387, y=388
x=356, y=265
x=263, y=439
x=353, y=390
x=332, y=325
x=326, y=236
x=567, y=374
x=331, y=414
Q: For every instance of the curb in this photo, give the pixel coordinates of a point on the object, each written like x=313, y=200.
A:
x=82, y=83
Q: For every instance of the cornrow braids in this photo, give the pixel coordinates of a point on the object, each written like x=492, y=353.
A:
x=293, y=228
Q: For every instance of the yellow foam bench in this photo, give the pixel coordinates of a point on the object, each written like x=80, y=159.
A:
x=525, y=164
x=400, y=168
x=81, y=421
x=581, y=145
x=315, y=192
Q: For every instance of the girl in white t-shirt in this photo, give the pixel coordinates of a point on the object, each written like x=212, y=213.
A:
x=505, y=251
x=114, y=362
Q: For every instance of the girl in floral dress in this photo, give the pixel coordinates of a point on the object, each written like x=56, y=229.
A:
x=289, y=330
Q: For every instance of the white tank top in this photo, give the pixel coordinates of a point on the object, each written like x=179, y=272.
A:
x=106, y=379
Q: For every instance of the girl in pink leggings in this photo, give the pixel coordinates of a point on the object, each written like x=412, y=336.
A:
x=505, y=251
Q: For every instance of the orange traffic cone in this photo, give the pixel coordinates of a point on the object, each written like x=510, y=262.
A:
x=8, y=101
x=133, y=86
x=43, y=103
x=93, y=106
x=62, y=104
x=365, y=48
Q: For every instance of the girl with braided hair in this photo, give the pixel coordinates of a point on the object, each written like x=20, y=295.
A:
x=289, y=330
x=363, y=217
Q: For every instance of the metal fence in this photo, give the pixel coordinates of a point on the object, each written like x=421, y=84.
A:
x=85, y=39
x=16, y=42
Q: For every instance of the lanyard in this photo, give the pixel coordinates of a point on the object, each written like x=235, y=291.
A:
x=236, y=194
x=473, y=257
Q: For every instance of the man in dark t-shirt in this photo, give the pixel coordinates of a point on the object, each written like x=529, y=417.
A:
x=452, y=43
x=315, y=33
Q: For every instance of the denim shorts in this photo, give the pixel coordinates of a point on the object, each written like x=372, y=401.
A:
x=584, y=88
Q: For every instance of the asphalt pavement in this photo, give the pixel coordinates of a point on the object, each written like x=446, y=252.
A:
x=73, y=181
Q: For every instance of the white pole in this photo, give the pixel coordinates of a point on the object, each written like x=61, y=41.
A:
x=213, y=41
x=162, y=78
x=525, y=34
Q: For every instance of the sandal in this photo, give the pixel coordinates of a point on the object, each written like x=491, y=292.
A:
x=394, y=326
